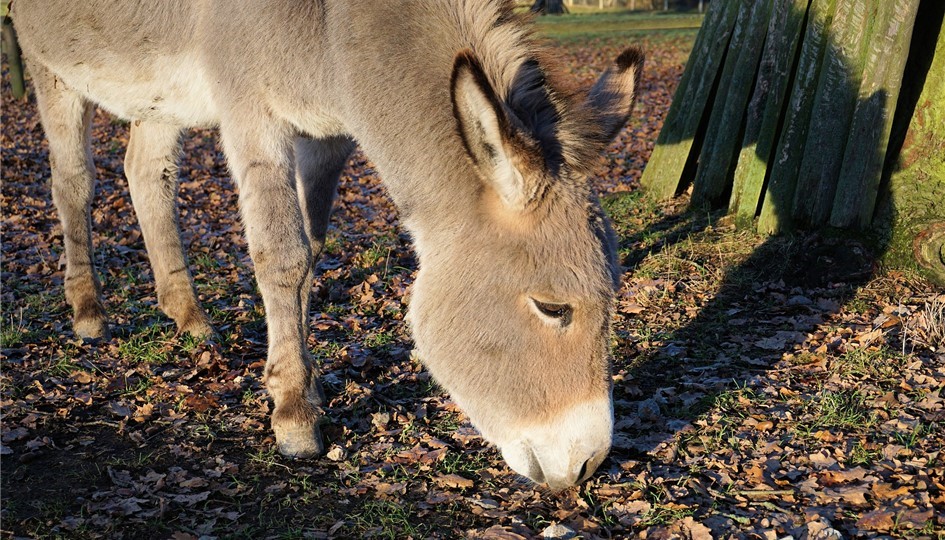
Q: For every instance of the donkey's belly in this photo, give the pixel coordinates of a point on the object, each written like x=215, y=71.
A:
x=170, y=89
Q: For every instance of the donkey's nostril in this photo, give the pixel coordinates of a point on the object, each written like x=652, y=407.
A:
x=583, y=471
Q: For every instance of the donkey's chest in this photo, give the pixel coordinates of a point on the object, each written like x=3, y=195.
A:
x=172, y=89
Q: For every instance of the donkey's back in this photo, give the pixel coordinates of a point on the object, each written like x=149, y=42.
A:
x=136, y=63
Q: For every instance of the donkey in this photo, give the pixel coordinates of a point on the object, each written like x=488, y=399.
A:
x=484, y=154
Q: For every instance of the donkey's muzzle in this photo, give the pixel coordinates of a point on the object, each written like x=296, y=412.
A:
x=566, y=451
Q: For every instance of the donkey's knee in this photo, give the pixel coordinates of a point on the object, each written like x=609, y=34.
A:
x=284, y=266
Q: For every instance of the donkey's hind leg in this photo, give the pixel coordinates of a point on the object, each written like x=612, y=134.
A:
x=318, y=166
x=319, y=163
x=151, y=167
x=67, y=121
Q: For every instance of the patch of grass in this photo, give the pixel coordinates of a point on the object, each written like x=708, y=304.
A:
x=135, y=461
x=385, y=519
x=64, y=363
x=587, y=25
x=445, y=424
x=137, y=387
x=911, y=438
x=15, y=332
x=462, y=463
x=380, y=340
x=329, y=350
x=844, y=409
x=380, y=250
x=858, y=305
x=266, y=457
x=660, y=514
x=882, y=364
x=153, y=346
x=333, y=244
x=861, y=454
x=600, y=509
x=204, y=262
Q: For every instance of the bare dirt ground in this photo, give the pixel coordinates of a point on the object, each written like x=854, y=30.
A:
x=764, y=388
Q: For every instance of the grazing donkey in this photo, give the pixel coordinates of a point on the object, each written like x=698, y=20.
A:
x=486, y=158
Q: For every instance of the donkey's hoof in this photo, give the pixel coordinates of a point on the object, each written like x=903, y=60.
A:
x=299, y=442
x=91, y=328
x=197, y=326
x=200, y=330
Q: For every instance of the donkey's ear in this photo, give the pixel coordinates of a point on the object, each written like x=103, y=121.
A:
x=487, y=130
x=614, y=94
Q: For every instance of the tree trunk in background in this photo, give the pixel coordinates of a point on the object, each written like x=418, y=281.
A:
x=549, y=7
x=789, y=111
x=914, y=203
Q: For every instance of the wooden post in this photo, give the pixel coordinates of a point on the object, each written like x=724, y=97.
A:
x=858, y=183
x=915, y=202
x=832, y=111
x=723, y=136
x=664, y=171
x=764, y=110
x=778, y=203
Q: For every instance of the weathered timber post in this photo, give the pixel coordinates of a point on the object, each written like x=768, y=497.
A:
x=787, y=113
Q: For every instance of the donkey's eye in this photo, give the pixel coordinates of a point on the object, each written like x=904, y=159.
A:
x=561, y=312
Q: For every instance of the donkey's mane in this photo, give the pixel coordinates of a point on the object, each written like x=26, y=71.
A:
x=523, y=72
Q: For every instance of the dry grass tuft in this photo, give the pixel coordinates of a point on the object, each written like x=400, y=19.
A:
x=927, y=326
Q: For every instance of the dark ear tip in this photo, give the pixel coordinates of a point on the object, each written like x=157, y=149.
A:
x=465, y=58
x=631, y=58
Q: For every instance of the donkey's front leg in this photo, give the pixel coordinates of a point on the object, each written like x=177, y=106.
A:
x=151, y=167
x=261, y=157
x=67, y=120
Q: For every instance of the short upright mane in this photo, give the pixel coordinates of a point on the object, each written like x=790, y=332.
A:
x=521, y=69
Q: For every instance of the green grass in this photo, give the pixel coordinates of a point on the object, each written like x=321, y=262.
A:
x=882, y=364
x=860, y=454
x=586, y=25
x=385, y=519
x=153, y=345
x=380, y=340
x=14, y=334
x=844, y=409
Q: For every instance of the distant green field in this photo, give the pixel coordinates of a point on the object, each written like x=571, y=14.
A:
x=599, y=24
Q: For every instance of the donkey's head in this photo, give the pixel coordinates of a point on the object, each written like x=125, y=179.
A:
x=512, y=315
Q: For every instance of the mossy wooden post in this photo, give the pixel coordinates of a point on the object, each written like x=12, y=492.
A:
x=915, y=208
x=674, y=144
x=12, y=50
x=858, y=183
x=778, y=202
x=722, y=135
x=832, y=111
x=764, y=110
x=812, y=101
